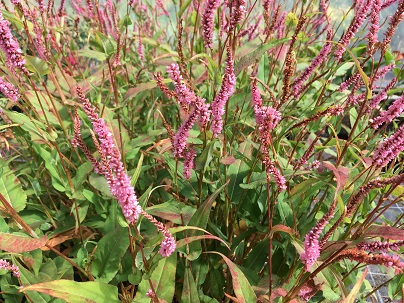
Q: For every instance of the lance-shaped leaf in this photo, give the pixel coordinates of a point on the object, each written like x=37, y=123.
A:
x=77, y=292
x=246, y=59
x=241, y=286
x=10, y=188
x=386, y=232
x=18, y=243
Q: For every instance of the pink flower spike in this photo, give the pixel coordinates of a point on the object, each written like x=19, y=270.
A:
x=389, y=148
x=223, y=96
x=374, y=26
x=391, y=113
x=208, y=21
x=305, y=75
x=13, y=268
x=168, y=244
x=387, y=3
x=189, y=162
x=9, y=90
x=113, y=169
x=181, y=137
x=312, y=246
x=355, y=25
x=185, y=95
x=10, y=46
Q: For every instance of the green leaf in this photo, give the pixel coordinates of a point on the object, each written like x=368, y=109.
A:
x=125, y=22
x=173, y=211
x=36, y=129
x=249, y=58
x=53, y=165
x=203, y=160
x=241, y=286
x=258, y=256
x=81, y=174
x=37, y=66
x=291, y=19
x=343, y=69
x=189, y=290
x=18, y=243
x=360, y=70
x=395, y=287
x=27, y=279
x=352, y=295
x=77, y=292
x=200, y=219
x=103, y=43
x=133, y=91
x=201, y=216
x=110, y=250
x=100, y=183
x=238, y=171
x=11, y=189
x=183, y=8
x=138, y=169
x=187, y=240
x=92, y=54
x=13, y=19
x=163, y=279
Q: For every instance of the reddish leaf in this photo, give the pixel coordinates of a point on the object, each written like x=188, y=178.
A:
x=284, y=228
x=133, y=91
x=77, y=292
x=340, y=173
x=386, y=232
x=228, y=160
x=18, y=244
x=182, y=242
x=280, y=292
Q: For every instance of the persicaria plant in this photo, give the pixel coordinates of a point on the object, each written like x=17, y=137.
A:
x=201, y=151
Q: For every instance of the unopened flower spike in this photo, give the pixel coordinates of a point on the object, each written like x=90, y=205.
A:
x=112, y=168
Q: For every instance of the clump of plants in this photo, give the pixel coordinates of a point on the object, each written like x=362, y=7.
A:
x=199, y=151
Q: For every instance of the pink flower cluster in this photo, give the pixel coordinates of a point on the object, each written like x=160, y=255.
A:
x=308, y=290
x=390, y=114
x=387, y=3
x=351, y=80
x=223, y=96
x=208, y=21
x=184, y=94
x=381, y=73
x=13, y=268
x=9, y=90
x=189, y=162
x=356, y=23
x=267, y=118
x=361, y=256
x=374, y=102
x=181, y=137
x=312, y=246
x=112, y=168
x=10, y=46
x=238, y=12
x=380, y=246
x=185, y=98
x=297, y=84
x=374, y=25
x=389, y=148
